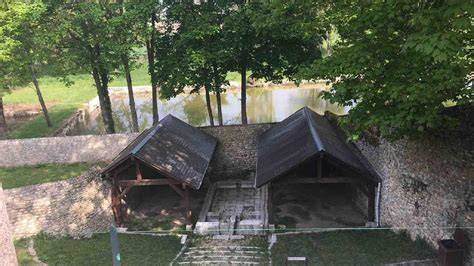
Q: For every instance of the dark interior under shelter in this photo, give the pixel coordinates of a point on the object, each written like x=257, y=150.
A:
x=315, y=178
x=171, y=156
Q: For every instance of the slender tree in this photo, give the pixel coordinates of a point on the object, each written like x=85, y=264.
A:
x=242, y=39
x=23, y=25
x=270, y=39
x=3, y=122
x=207, y=88
x=124, y=24
x=148, y=16
x=194, y=53
x=89, y=44
x=217, y=89
x=131, y=97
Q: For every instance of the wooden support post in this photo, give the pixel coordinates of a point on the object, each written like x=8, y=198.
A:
x=320, y=166
x=187, y=204
x=116, y=205
x=271, y=209
x=125, y=191
x=371, y=202
x=137, y=170
x=175, y=188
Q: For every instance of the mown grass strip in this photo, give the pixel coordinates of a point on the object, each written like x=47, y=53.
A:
x=12, y=177
x=134, y=250
x=351, y=248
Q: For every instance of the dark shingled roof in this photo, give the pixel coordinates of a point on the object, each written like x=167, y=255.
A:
x=172, y=148
x=298, y=138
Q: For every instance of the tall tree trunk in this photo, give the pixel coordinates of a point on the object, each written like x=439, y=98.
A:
x=243, y=93
x=104, y=101
x=42, y=103
x=150, y=48
x=207, y=88
x=131, y=98
x=329, y=47
x=3, y=122
x=217, y=89
x=219, y=107
x=104, y=76
x=101, y=80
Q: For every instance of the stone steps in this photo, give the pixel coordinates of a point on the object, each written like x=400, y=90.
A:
x=224, y=252
x=224, y=248
x=221, y=262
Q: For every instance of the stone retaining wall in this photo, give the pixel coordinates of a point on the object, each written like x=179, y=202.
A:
x=81, y=205
x=235, y=156
x=91, y=148
x=77, y=207
x=7, y=250
x=428, y=185
x=71, y=124
x=236, y=153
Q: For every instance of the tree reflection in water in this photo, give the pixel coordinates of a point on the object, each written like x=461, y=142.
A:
x=264, y=105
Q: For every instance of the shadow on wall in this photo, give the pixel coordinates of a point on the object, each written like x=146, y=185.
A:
x=77, y=207
x=90, y=148
x=428, y=185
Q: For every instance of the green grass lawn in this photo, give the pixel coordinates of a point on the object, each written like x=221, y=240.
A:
x=360, y=247
x=134, y=250
x=23, y=256
x=12, y=177
x=235, y=76
x=62, y=101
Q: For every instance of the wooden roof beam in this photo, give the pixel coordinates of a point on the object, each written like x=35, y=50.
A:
x=148, y=182
x=322, y=180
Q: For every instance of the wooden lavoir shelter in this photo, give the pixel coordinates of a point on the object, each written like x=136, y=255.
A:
x=306, y=148
x=172, y=152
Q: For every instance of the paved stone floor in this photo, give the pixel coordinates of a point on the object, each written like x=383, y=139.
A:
x=233, y=208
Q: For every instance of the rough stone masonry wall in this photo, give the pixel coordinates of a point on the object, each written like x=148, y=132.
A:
x=7, y=250
x=428, y=185
x=77, y=207
x=236, y=153
x=91, y=148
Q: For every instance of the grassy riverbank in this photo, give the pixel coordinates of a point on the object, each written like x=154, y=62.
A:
x=63, y=101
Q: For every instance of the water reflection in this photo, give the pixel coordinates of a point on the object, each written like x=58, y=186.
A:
x=263, y=105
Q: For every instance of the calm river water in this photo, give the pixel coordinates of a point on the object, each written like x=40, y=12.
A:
x=270, y=104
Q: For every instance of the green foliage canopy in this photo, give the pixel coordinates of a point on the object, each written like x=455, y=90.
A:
x=25, y=43
x=398, y=63
x=190, y=50
x=274, y=39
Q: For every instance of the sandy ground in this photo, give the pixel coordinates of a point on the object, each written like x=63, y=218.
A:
x=315, y=205
x=161, y=207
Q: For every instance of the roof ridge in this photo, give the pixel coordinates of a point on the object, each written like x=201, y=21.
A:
x=312, y=129
x=147, y=138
